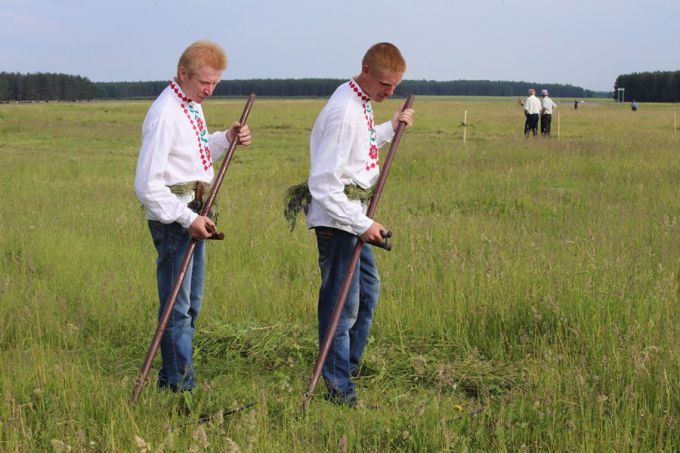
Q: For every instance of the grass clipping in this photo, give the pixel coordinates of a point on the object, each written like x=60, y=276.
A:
x=298, y=198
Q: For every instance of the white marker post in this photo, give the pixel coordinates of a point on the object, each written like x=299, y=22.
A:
x=620, y=95
x=465, y=128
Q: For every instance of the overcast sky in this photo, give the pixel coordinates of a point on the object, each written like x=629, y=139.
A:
x=582, y=42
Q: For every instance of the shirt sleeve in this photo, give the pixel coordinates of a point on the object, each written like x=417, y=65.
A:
x=329, y=158
x=149, y=183
x=218, y=143
x=384, y=133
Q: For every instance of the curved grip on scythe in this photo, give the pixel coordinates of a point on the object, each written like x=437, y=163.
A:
x=385, y=245
x=165, y=316
x=344, y=290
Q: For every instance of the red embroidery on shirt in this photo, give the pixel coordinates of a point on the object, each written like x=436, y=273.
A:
x=370, y=123
x=177, y=92
x=201, y=132
x=358, y=91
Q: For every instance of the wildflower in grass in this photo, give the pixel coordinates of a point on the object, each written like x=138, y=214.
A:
x=230, y=446
x=248, y=425
x=143, y=445
x=419, y=364
x=201, y=438
x=285, y=386
x=59, y=445
x=342, y=445
x=169, y=443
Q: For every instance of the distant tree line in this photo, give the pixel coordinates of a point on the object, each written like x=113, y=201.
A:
x=45, y=87
x=325, y=87
x=262, y=87
x=658, y=86
x=490, y=88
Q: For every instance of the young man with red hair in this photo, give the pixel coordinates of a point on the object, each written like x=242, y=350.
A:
x=175, y=166
x=344, y=153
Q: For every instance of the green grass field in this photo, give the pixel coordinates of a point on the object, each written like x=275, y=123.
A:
x=531, y=302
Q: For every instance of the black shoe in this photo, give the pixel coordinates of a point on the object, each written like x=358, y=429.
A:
x=363, y=371
x=164, y=386
x=351, y=400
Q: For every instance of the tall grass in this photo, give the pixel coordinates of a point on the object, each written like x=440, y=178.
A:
x=530, y=302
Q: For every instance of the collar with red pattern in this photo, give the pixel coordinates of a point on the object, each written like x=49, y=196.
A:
x=357, y=89
x=178, y=91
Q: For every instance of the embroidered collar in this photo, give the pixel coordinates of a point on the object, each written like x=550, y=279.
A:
x=357, y=89
x=178, y=91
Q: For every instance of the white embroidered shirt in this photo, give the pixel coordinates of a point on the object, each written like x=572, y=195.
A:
x=344, y=150
x=176, y=149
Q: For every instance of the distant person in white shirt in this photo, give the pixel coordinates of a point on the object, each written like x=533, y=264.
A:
x=547, y=107
x=532, y=109
x=176, y=164
x=344, y=155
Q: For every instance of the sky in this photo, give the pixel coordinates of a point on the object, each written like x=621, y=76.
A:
x=587, y=43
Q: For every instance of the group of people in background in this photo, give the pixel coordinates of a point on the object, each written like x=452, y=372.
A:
x=536, y=110
x=539, y=111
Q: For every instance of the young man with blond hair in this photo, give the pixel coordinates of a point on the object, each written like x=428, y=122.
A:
x=344, y=154
x=175, y=166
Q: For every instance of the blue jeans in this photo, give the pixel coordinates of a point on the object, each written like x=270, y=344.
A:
x=171, y=241
x=335, y=251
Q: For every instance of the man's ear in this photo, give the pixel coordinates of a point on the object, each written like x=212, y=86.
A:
x=182, y=73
